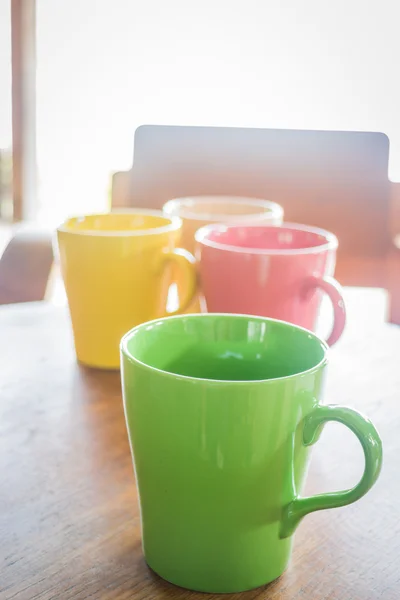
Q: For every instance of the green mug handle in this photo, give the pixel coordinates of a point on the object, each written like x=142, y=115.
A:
x=372, y=446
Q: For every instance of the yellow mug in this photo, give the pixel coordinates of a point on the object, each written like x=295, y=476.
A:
x=197, y=211
x=117, y=270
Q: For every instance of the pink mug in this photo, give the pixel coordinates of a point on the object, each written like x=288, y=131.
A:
x=270, y=271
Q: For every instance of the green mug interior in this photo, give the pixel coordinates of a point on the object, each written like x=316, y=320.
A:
x=224, y=347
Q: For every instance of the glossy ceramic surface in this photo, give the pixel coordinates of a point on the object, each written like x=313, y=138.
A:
x=117, y=271
x=197, y=211
x=221, y=411
x=276, y=272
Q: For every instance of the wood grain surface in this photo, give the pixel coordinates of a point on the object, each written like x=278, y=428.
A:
x=69, y=519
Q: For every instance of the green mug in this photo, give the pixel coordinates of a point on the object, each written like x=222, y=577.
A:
x=221, y=411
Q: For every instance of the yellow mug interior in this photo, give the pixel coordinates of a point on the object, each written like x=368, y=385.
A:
x=129, y=223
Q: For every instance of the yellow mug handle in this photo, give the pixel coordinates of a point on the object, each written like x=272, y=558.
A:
x=186, y=263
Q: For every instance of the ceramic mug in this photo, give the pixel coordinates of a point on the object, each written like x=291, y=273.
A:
x=276, y=272
x=197, y=211
x=117, y=271
x=221, y=411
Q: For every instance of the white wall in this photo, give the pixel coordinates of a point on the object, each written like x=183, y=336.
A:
x=105, y=67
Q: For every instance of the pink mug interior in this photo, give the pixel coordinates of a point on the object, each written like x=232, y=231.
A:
x=259, y=238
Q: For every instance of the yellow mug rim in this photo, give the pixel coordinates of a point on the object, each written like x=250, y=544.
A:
x=175, y=223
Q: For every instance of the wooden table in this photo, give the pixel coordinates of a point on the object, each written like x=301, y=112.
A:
x=69, y=519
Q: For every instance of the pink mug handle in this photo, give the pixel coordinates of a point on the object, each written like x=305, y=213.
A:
x=331, y=287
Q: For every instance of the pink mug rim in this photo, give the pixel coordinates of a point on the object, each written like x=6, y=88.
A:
x=331, y=241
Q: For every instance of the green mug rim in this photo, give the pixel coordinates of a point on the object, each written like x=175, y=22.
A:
x=169, y=374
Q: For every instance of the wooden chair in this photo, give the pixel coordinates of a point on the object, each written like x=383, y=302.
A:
x=335, y=180
x=25, y=267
